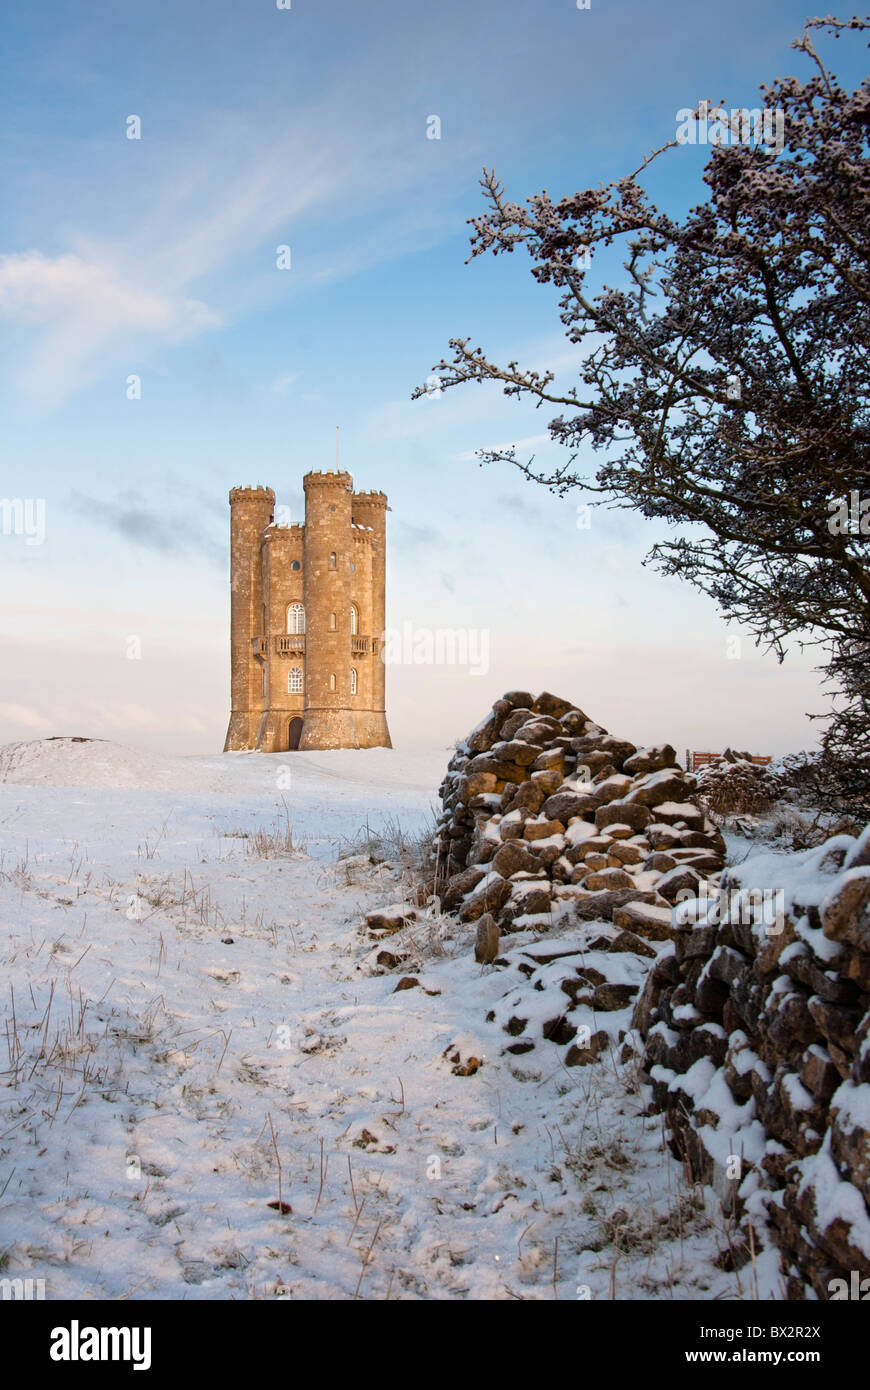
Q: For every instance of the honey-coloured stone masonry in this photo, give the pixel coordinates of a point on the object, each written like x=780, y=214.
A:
x=307, y=619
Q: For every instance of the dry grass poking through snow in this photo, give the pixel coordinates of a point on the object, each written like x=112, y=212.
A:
x=403, y=866
x=176, y=1000
x=277, y=841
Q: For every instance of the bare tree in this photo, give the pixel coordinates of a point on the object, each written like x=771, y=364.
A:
x=725, y=382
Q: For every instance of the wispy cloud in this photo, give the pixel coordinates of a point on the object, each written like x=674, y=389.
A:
x=406, y=536
x=519, y=505
x=136, y=520
x=196, y=243
x=531, y=441
x=282, y=384
x=79, y=308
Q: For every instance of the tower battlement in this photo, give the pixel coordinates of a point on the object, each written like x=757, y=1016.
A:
x=258, y=491
x=307, y=619
x=317, y=479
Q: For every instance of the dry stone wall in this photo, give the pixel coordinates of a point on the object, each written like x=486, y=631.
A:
x=745, y=992
x=757, y=1027
x=550, y=823
x=546, y=813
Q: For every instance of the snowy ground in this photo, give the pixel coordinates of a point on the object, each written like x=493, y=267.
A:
x=171, y=1001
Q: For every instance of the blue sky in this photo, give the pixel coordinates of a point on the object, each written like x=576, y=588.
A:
x=306, y=127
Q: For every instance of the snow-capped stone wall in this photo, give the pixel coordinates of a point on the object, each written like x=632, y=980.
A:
x=550, y=824
x=546, y=813
x=757, y=1027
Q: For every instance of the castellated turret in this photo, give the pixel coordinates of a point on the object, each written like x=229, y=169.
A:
x=307, y=619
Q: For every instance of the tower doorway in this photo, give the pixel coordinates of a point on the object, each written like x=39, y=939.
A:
x=294, y=734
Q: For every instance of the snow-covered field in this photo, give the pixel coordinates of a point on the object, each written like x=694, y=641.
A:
x=181, y=1012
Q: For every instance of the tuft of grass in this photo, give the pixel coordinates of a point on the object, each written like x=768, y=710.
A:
x=790, y=828
x=390, y=843
x=433, y=936
x=17, y=873
x=410, y=858
x=275, y=842
x=735, y=796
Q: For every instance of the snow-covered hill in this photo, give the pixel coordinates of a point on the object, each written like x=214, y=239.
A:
x=179, y=1015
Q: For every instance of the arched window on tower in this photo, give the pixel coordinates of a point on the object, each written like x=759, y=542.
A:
x=332, y=682
x=333, y=621
x=296, y=618
x=354, y=620
x=353, y=680
x=294, y=680
x=333, y=560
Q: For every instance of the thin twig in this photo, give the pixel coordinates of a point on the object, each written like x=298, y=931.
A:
x=356, y=1223
x=368, y=1256
x=278, y=1162
x=322, y=1176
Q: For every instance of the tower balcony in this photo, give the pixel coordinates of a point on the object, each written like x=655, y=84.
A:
x=259, y=646
x=360, y=646
x=289, y=643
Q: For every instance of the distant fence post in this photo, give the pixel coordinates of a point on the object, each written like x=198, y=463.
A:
x=694, y=759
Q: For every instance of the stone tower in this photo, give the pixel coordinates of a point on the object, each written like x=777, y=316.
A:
x=307, y=619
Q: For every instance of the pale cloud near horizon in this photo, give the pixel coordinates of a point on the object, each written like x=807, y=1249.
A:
x=24, y=717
